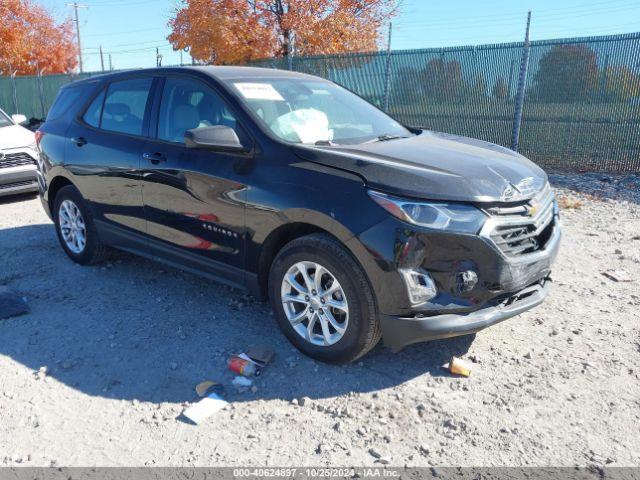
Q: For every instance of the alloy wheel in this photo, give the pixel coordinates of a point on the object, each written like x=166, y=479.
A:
x=315, y=303
x=72, y=226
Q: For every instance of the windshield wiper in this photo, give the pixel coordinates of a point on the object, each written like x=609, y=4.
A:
x=385, y=137
x=325, y=143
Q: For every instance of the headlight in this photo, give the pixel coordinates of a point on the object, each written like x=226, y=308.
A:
x=456, y=217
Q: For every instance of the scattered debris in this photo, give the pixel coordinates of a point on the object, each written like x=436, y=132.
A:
x=206, y=407
x=42, y=372
x=617, y=275
x=457, y=366
x=11, y=304
x=243, y=366
x=252, y=362
x=374, y=453
x=207, y=387
x=241, y=382
x=260, y=355
x=567, y=203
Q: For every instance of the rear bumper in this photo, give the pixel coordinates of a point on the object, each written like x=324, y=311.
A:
x=398, y=332
x=20, y=179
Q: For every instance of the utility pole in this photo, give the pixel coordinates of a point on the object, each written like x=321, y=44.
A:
x=522, y=80
x=40, y=71
x=101, y=59
x=291, y=46
x=13, y=73
x=76, y=6
x=110, y=64
x=180, y=57
x=387, y=72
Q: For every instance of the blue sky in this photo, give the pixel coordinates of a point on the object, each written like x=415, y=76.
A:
x=131, y=29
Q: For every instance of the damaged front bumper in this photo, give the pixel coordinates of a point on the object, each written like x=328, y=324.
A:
x=398, y=332
x=505, y=285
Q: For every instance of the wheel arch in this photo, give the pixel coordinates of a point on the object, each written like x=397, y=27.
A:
x=56, y=184
x=274, y=242
x=297, y=223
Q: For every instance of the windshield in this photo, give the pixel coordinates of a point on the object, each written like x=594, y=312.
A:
x=5, y=120
x=316, y=112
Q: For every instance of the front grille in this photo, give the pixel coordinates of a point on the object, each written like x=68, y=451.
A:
x=523, y=227
x=24, y=183
x=16, y=160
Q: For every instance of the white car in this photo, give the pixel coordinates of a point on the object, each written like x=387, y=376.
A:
x=18, y=156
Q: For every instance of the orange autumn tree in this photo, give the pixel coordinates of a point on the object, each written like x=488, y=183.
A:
x=237, y=31
x=31, y=40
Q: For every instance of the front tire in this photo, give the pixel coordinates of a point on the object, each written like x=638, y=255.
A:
x=75, y=228
x=322, y=300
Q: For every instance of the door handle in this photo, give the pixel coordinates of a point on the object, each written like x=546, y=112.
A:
x=79, y=141
x=154, y=158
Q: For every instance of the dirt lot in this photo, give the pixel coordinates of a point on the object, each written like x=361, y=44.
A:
x=100, y=370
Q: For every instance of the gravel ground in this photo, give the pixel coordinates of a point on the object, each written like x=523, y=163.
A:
x=100, y=370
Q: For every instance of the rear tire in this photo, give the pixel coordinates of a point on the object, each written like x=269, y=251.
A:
x=75, y=228
x=339, y=302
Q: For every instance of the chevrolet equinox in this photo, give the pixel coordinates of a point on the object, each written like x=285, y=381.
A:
x=354, y=226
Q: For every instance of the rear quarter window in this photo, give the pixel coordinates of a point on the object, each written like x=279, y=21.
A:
x=69, y=100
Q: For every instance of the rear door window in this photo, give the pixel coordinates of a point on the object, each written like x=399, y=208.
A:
x=125, y=105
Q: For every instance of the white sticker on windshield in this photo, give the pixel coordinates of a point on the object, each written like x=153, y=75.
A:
x=258, y=91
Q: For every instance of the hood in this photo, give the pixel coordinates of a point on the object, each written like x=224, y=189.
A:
x=15, y=136
x=435, y=166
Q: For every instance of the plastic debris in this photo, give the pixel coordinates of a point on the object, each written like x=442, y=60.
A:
x=457, y=366
x=241, y=382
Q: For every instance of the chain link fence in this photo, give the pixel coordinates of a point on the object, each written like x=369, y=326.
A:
x=581, y=106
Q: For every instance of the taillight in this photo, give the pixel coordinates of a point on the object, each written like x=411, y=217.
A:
x=39, y=135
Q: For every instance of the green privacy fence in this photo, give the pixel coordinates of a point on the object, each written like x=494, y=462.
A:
x=581, y=96
x=581, y=106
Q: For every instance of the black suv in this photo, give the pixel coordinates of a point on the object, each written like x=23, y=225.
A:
x=355, y=226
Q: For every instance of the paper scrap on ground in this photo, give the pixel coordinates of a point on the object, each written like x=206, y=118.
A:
x=206, y=407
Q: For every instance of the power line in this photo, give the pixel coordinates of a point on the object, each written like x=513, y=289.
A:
x=150, y=42
x=125, y=32
x=510, y=17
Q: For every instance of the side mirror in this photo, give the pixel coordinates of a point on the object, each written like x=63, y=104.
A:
x=19, y=118
x=217, y=137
